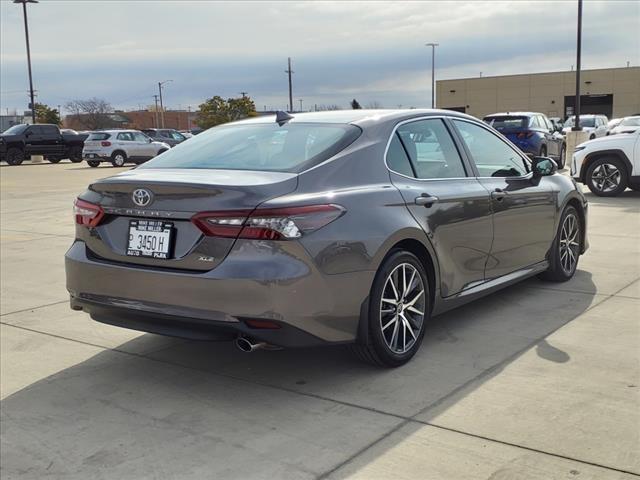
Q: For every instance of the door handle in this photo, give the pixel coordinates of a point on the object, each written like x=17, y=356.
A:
x=426, y=200
x=498, y=194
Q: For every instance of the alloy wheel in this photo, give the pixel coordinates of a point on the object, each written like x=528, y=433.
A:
x=569, y=243
x=606, y=177
x=402, y=308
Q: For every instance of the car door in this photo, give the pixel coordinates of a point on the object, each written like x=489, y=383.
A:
x=554, y=145
x=52, y=141
x=145, y=148
x=451, y=206
x=523, y=207
x=33, y=140
x=126, y=142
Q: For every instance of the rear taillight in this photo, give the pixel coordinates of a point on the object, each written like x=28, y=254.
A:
x=105, y=144
x=267, y=224
x=87, y=214
x=525, y=135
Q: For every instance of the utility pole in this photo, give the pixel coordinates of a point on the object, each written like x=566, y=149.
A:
x=289, y=72
x=433, y=72
x=156, y=100
x=576, y=127
x=244, y=94
x=26, y=34
x=161, y=104
x=300, y=100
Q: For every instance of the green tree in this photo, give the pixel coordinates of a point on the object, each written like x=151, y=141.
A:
x=355, y=105
x=46, y=114
x=217, y=110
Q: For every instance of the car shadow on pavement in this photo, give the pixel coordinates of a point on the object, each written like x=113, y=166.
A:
x=196, y=409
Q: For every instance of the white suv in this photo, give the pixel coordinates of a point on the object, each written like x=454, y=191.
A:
x=594, y=125
x=119, y=147
x=608, y=165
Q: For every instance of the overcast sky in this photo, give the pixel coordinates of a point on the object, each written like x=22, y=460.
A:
x=373, y=51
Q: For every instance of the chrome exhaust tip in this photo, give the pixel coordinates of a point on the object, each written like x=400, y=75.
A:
x=246, y=345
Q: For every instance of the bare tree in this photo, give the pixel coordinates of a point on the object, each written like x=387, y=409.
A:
x=91, y=114
x=374, y=105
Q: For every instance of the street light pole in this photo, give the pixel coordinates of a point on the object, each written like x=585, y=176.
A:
x=161, y=104
x=577, y=105
x=26, y=34
x=288, y=71
x=433, y=72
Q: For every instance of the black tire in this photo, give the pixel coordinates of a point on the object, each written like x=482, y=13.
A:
x=118, y=158
x=54, y=159
x=93, y=163
x=378, y=349
x=562, y=159
x=161, y=151
x=607, y=177
x=543, y=151
x=75, y=154
x=568, y=237
x=15, y=156
x=592, y=137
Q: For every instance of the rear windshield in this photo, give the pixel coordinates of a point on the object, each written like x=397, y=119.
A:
x=98, y=136
x=507, y=122
x=631, y=122
x=584, y=122
x=264, y=147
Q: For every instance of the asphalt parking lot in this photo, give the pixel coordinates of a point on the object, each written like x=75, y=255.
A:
x=539, y=381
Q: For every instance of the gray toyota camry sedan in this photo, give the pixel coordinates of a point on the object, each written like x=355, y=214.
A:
x=348, y=227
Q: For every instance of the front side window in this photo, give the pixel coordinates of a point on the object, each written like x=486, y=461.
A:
x=126, y=136
x=431, y=149
x=492, y=156
x=292, y=147
x=140, y=137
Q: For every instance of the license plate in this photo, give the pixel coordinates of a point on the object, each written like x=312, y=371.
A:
x=150, y=238
x=91, y=155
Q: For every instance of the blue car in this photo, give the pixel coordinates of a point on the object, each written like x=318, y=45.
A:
x=531, y=132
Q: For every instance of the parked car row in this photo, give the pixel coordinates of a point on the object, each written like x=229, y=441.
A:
x=20, y=142
x=531, y=132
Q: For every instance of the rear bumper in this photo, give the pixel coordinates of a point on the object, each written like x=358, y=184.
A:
x=97, y=157
x=253, y=282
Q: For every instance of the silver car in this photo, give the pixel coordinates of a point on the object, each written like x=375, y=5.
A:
x=348, y=227
x=119, y=147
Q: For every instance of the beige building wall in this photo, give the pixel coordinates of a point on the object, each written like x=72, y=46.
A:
x=540, y=92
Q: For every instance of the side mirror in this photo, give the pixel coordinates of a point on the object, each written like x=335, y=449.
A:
x=28, y=133
x=149, y=140
x=543, y=166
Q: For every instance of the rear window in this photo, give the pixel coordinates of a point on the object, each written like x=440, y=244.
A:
x=631, y=122
x=507, y=122
x=264, y=147
x=98, y=136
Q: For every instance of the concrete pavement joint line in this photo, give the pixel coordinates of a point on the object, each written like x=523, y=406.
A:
x=489, y=439
x=33, y=308
x=405, y=419
x=513, y=356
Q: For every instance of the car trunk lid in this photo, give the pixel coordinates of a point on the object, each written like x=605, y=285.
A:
x=174, y=197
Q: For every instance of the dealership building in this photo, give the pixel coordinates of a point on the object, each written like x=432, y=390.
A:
x=614, y=92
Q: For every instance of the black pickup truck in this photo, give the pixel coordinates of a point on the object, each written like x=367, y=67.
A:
x=21, y=141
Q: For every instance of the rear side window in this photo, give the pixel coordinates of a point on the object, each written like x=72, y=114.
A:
x=397, y=159
x=431, y=149
x=126, y=136
x=48, y=129
x=292, y=147
x=98, y=136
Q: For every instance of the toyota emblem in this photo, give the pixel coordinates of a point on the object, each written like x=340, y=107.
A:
x=142, y=197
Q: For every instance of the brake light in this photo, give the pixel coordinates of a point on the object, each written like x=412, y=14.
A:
x=267, y=224
x=87, y=214
x=525, y=135
x=105, y=144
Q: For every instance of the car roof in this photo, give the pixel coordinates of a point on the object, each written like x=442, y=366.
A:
x=117, y=130
x=359, y=117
